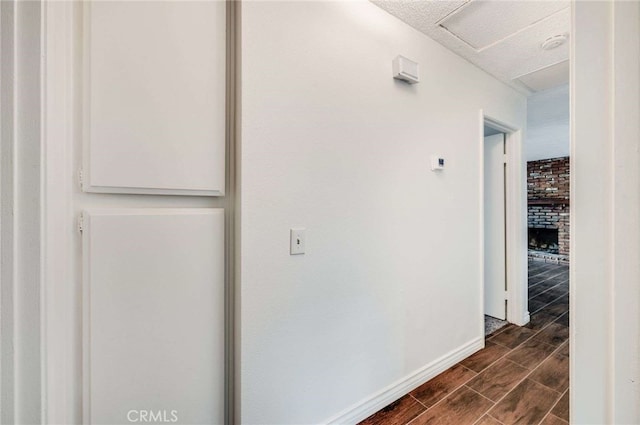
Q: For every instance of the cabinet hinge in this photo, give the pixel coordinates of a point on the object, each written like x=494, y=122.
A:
x=80, y=178
x=80, y=223
x=504, y=158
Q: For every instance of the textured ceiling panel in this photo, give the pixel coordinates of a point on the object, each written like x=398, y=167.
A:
x=511, y=57
x=522, y=54
x=546, y=78
x=420, y=14
x=483, y=23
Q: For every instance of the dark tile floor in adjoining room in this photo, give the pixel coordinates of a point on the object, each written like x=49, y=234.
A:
x=521, y=376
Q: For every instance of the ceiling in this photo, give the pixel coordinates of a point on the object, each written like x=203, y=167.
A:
x=502, y=37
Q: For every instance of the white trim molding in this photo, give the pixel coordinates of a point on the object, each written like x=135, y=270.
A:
x=7, y=112
x=371, y=405
x=21, y=313
x=58, y=228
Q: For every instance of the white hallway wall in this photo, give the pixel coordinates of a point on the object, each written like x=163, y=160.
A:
x=548, y=128
x=391, y=278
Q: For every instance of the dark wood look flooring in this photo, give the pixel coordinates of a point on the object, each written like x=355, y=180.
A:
x=520, y=377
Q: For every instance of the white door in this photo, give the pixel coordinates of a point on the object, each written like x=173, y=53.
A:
x=152, y=249
x=494, y=227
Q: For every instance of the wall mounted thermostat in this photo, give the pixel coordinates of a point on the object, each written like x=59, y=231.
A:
x=437, y=163
x=405, y=70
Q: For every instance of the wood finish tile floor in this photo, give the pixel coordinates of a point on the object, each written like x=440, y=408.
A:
x=520, y=377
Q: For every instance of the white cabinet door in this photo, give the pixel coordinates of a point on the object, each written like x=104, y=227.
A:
x=153, y=83
x=153, y=282
x=154, y=97
x=494, y=227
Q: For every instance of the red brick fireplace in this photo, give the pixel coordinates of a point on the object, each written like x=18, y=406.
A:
x=548, y=209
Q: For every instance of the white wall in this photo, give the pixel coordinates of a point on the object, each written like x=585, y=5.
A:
x=390, y=282
x=548, y=124
x=605, y=206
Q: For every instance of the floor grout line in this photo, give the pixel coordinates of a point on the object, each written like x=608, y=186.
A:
x=541, y=269
x=493, y=417
x=556, y=403
x=543, y=418
x=448, y=394
x=547, y=275
x=527, y=376
x=551, y=414
x=531, y=372
x=481, y=395
x=553, y=353
x=548, y=278
x=552, y=274
x=537, y=286
x=548, y=289
x=504, y=356
x=486, y=412
x=547, y=305
x=521, y=344
x=542, y=343
x=421, y=403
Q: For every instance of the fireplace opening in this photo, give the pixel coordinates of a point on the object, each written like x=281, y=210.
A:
x=544, y=240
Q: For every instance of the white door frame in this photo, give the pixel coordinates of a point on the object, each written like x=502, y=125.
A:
x=605, y=205
x=516, y=217
x=21, y=313
x=61, y=366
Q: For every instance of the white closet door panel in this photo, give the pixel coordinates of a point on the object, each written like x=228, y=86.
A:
x=154, y=112
x=154, y=315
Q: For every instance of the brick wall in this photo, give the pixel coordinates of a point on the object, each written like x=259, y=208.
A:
x=548, y=197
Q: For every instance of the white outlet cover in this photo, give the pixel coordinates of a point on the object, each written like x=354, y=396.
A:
x=297, y=241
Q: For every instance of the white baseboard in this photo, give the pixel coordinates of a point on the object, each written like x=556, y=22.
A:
x=367, y=407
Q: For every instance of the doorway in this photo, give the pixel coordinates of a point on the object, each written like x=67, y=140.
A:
x=504, y=258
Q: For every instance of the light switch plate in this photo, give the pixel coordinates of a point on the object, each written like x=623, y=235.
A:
x=298, y=241
x=437, y=163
